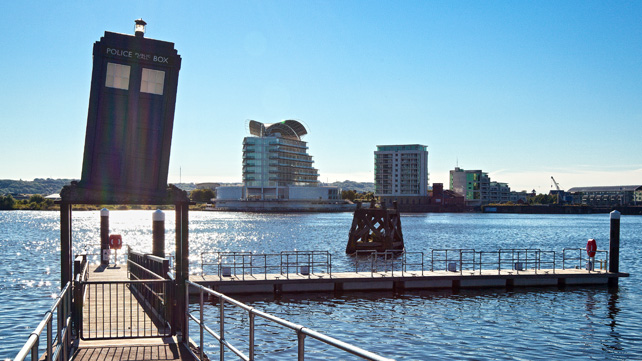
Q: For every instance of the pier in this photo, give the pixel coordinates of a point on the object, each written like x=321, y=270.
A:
x=139, y=310
x=397, y=282
x=312, y=271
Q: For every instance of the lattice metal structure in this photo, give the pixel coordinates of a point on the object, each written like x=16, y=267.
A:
x=375, y=229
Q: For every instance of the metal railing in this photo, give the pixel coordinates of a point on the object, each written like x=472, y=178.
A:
x=579, y=255
x=301, y=331
x=146, y=266
x=465, y=260
x=57, y=347
x=139, y=307
x=306, y=263
x=449, y=259
x=512, y=259
x=242, y=264
x=124, y=309
x=378, y=262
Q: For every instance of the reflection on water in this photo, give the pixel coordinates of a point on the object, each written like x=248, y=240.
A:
x=574, y=323
x=441, y=325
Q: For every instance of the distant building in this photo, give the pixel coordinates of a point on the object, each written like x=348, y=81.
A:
x=498, y=192
x=446, y=200
x=474, y=185
x=478, y=189
x=401, y=174
x=208, y=185
x=278, y=174
x=519, y=197
x=276, y=158
x=607, y=196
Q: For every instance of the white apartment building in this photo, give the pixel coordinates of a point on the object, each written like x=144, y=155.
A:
x=401, y=171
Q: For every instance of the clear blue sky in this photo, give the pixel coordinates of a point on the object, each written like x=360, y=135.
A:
x=520, y=89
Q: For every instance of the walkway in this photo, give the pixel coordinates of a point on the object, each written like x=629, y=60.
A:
x=118, y=324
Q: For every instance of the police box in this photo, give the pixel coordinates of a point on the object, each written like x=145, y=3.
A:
x=131, y=114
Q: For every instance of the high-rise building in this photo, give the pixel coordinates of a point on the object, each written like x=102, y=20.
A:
x=401, y=173
x=274, y=158
x=278, y=174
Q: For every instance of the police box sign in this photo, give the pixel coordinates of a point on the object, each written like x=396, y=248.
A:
x=130, y=54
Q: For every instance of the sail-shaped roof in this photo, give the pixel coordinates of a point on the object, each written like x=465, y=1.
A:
x=287, y=129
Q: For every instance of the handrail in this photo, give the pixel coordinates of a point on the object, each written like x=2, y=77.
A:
x=144, y=269
x=244, y=263
x=469, y=260
x=581, y=256
x=301, y=331
x=62, y=306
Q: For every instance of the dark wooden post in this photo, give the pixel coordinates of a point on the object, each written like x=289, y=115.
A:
x=614, y=248
x=104, y=237
x=65, y=244
x=158, y=232
x=182, y=266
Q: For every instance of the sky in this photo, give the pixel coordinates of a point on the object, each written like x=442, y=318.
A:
x=523, y=90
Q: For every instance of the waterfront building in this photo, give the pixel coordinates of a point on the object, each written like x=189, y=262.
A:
x=445, y=200
x=607, y=196
x=498, y=192
x=478, y=189
x=278, y=173
x=275, y=158
x=474, y=185
x=519, y=197
x=401, y=174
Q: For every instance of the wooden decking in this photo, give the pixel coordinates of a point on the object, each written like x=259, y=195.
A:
x=147, y=349
x=117, y=326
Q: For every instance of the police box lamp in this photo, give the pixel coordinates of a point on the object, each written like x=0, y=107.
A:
x=130, y=118
x=139, y=29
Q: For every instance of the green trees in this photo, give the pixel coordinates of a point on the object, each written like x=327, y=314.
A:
x=35, y=202
x=353, y=195
x=202, y=195
x=349, y=195
x=542, y=199
x=36, y=198
x=7, y=202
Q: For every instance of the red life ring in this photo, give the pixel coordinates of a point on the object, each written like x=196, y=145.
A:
x=115, y=241
x=591, y=247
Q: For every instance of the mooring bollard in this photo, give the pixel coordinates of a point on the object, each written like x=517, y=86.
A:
x=158, y=231
x=614, y=248
x=104, y=236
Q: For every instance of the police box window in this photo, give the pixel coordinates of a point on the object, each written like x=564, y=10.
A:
x=117, y=76
x=152, y=81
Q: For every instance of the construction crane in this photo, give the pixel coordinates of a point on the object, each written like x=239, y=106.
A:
x=559, y=191
x=556, y=185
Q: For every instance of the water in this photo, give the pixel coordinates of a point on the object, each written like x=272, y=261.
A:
x=525, y=324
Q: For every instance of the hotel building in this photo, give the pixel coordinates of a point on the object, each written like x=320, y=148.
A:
x=278, y=173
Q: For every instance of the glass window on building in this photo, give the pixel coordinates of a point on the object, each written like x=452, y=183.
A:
x=117, y=76
x=152, y=81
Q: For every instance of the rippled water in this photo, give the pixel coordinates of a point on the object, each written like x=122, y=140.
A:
x=525, y=324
